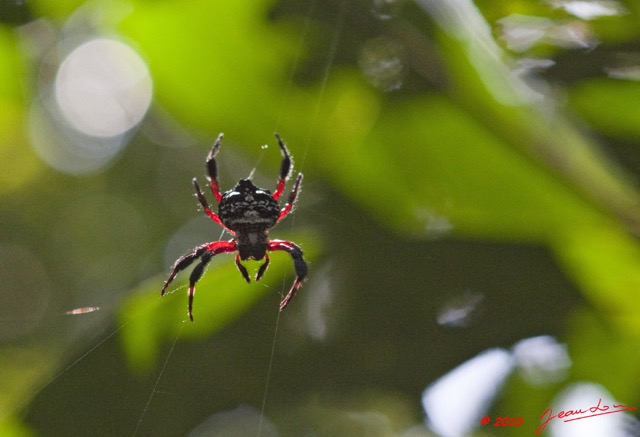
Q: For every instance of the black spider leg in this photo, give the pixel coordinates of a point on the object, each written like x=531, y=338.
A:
x=288, y=207
x=212, y=169
x=195, y=276
x=286, y=167
x=182, y=263
x=205, y=252
x=245, y=273
x=212, y=177
x=299, y=265
x=243, y=269
x=263, y=267
x=207, y=208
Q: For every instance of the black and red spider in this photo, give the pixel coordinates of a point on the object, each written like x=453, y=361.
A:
x=247, y=213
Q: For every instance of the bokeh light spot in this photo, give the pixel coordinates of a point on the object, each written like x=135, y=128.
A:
x=103, y=88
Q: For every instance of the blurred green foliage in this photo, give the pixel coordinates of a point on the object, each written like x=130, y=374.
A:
x=470, y=146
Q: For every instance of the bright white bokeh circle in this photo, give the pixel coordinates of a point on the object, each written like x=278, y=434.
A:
x=103, y=88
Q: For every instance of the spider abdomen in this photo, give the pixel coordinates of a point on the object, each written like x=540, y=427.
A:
x=252, y=244
x=248, y=209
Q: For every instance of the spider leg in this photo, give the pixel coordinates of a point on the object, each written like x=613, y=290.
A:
x=263, y=267
x=182, y=263
x=207, y=208
x=299, y=265
x=286, y=167
x=195, y=276
x=242, y=269
x=205, y=252
x=212, y=168
x=292, y=198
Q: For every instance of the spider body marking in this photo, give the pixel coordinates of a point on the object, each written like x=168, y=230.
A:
x=247, y=213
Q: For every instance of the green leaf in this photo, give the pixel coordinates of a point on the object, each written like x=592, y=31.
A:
x=609, y=105
x=210, y=58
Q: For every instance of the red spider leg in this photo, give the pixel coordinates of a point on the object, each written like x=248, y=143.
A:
x=286, y=167
x=299, y=265
x=212, y=169
x=205, y=252
x=182, y=263
x=292, y=198
x=207, y=209
x=215, y=248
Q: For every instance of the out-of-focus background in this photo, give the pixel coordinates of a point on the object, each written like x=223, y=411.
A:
x=470, y=214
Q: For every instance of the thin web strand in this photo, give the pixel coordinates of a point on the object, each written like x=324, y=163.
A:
x=323, y=85
x=155, y=386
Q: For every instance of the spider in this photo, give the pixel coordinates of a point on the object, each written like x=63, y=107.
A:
x=247, y=213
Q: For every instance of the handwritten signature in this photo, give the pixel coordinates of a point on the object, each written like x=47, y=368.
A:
x=569, y=415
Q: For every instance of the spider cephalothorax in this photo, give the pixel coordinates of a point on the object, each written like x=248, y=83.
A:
x=247, y=213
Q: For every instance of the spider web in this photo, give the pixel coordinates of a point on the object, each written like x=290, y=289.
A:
x=330, y=59
x=172, y=354
x=325, y=76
